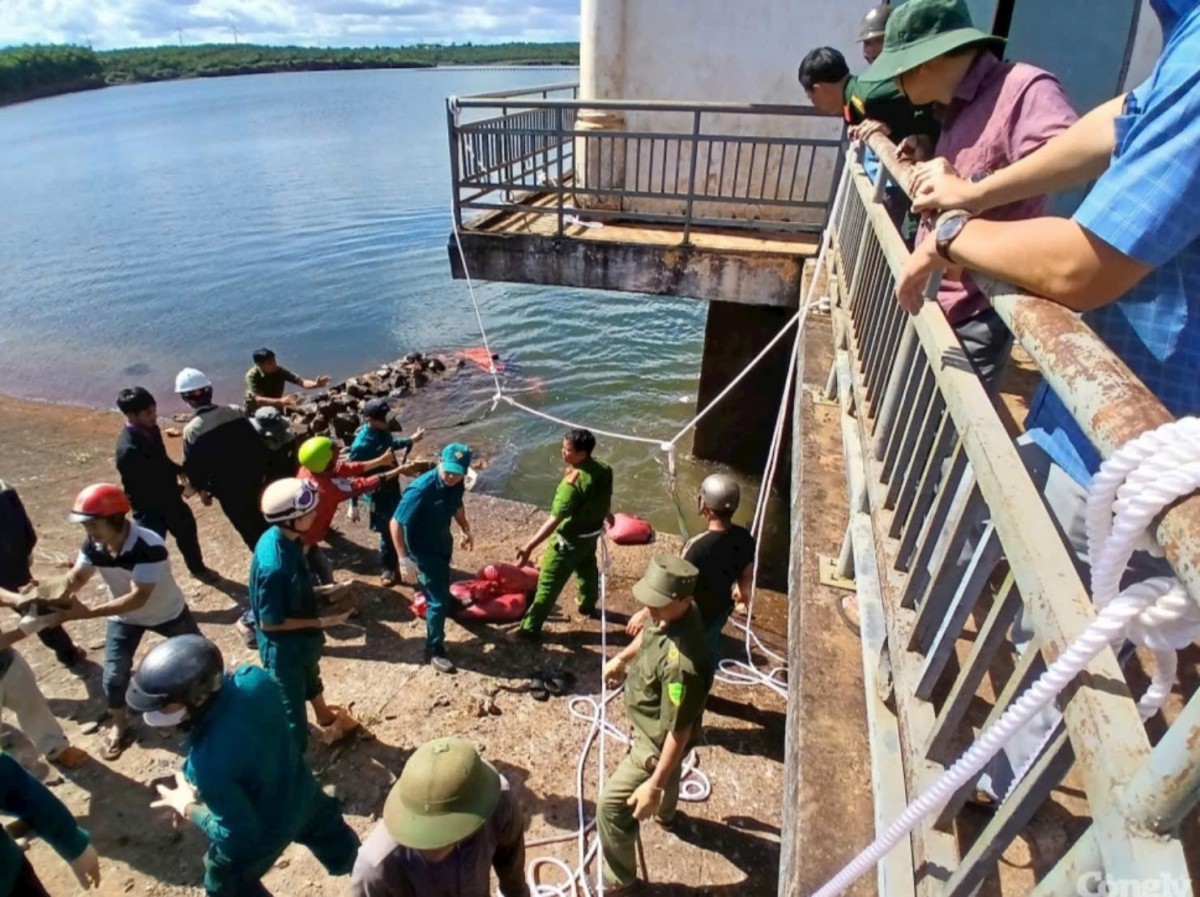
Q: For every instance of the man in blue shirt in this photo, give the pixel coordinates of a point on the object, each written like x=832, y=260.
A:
x=245, y=782
x=1129, y=260
x=375, y=438
x=421, y=530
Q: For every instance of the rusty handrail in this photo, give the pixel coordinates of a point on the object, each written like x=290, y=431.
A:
x=1105, y=397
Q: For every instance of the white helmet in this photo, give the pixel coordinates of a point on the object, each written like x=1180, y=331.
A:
x=287, y=499
x=720, y=493
x=191, y=380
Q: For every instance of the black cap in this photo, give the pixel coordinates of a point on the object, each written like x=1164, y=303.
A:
x=377, y=409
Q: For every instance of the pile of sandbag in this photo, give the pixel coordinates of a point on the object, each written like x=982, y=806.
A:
x=499, y=593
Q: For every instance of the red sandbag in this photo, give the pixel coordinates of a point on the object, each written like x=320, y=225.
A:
x=419, y=603
x=629, y=530
x=503, y=609
x=510, y=577
x=473, y=591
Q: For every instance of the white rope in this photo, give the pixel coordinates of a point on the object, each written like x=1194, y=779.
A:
x=1144, y=477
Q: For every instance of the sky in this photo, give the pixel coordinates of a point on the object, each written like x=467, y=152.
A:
x=106, y=24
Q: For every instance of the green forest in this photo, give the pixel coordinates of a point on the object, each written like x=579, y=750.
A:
x=32, y=71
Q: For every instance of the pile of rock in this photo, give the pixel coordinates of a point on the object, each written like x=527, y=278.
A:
x=337, y=411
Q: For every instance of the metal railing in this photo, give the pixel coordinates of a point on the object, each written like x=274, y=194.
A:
x=726, y=165
x=951, y=539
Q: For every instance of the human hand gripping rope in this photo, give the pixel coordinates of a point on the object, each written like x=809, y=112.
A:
x=1144, y=477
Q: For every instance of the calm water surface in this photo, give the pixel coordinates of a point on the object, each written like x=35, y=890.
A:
x=185, y=223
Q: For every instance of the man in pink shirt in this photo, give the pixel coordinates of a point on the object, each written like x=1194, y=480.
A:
x=993, y=113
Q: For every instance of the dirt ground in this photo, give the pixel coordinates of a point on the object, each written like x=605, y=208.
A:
x=727, y=845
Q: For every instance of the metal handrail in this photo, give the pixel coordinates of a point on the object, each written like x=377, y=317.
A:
x=519, y=91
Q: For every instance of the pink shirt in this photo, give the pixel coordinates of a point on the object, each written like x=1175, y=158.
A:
x=1001, y=112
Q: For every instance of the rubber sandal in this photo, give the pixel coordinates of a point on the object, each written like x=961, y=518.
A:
x=538, y=690
x=558, y=684
x=113, y=746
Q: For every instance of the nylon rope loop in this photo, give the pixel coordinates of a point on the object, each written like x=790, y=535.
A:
x=1144, y=477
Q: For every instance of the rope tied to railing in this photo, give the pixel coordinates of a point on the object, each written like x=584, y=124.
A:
x=1131, y=489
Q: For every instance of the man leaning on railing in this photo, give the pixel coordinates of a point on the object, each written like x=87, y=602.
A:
x=1129, y=259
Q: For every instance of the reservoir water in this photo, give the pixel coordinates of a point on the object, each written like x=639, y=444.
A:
x=150, y=227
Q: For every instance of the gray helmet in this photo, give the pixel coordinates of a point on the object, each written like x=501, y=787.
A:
x=874, y=22
x=186, y=669
x=720, y=493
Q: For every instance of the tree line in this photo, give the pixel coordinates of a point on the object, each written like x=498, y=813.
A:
x=32, y=71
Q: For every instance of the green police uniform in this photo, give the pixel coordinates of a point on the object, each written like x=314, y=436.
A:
x=883, y=102
x=666, y=687
x=582, y=501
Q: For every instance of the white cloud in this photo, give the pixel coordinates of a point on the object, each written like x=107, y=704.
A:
x=122, y=23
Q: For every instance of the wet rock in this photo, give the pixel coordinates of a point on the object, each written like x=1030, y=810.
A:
x=344, y=425
x=354, y=389
x=437, y=365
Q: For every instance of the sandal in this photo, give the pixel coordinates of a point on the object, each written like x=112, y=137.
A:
x=559, y=683
x=538, y=689
x=115, y=743
x=340, y=727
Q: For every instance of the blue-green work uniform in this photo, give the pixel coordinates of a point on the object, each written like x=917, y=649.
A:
x=425, y=511
x=256, y=791
x=281, y=589
x=23, y=796
x=369, y=443
x=582, y=503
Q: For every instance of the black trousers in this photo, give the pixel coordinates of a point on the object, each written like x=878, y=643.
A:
x=176, y=519
x=241, y=508
x=28, y=884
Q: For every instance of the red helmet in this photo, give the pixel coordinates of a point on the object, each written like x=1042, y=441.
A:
x=99, y=500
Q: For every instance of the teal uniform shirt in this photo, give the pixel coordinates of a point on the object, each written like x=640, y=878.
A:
x=426, y=509
x=369, y=443
x=23, y=796
x=255, y=788
x=281, y=587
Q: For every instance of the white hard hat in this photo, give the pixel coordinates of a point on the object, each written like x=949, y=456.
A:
x=190, y=380
x=287, y=499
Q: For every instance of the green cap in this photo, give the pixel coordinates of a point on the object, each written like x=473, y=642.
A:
x=668, y=578
x=445, y=793
x=456, y=458
x=921, y=30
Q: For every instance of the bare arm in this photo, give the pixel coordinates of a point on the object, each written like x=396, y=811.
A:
x=123, y=604
x=744, y=586
x=673, y=752
x=538, y=538
x=1076, y=156
x=397, y=532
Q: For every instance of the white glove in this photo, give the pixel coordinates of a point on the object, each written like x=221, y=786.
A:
x=614, y=670
x=352, y=512
x=31, y=625
x=408, y=570
x=180, y=798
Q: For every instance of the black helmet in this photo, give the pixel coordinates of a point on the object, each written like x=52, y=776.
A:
x=186, y=669
x=874, y=22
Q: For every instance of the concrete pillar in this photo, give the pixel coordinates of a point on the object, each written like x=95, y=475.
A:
x=600, y=163
x=738, y=431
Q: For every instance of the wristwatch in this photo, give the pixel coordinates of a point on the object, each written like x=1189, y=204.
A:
x=949, y=226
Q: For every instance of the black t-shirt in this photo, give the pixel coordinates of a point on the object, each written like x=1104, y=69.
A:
x=720, y=557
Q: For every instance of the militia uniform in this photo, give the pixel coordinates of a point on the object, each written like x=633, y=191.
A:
x=883, y=102
x=582, y=503
x=666, y=687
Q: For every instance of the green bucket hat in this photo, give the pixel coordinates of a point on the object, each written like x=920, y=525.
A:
x=921, y=30
x=445, y=793
x=668, y=578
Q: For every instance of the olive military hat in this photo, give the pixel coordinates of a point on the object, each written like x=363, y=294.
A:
x=445, y=793
x=668, y=578
x=921, y=30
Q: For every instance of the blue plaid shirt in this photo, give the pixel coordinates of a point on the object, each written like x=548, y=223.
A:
x=1147, y=206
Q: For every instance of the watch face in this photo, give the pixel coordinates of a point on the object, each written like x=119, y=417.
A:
x=949, y=228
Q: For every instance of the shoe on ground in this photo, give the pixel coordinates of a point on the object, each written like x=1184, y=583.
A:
x=592, y=613
x=249, y=636
x=520, y=636
x=206, y=575
x=70, y=757
x=388, y=578
x=440, y=662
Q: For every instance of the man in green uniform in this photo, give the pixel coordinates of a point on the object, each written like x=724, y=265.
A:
x=830, y=87
x=266, y=381
x=582, y=505
x=667, y=676
x=291, y=621
x=245, y=782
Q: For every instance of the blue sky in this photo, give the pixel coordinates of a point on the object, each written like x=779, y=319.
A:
x=123, y=23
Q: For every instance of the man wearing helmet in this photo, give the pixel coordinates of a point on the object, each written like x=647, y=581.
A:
x=421, y=528
x=291, y=621
x=144, y=596
x=871, y=31
x=336, y=481
x=223, y=456
x=245, y=783
x=582, y=505
x=449, y=820
x=724, y=556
